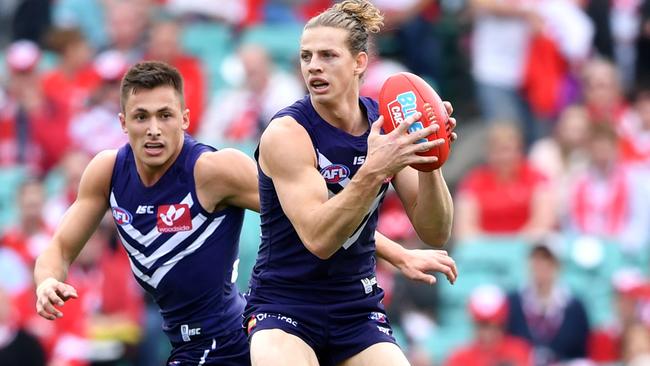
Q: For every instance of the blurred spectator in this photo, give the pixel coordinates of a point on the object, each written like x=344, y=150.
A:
x=562, y=156
x=71, y=82
x=491, y=345
x=500, y=40
x=605, y=344
x=603, y=91
x=111, y=302
x=17, y=347
x=98, y=128
x=560, y=43
x=411, y=24
x=32, y=129
x=242, y=114
x=164, y=45
x=126, y=24
x=38, y=13
x=506, y=195
x=229, y=11
x=29, y=236
x=609, y=200
x=634, y=129
x=546, y=313
x=72, y=166
x=86, y=15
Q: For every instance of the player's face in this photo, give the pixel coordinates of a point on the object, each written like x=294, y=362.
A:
x=328, y=67
x=155, y=122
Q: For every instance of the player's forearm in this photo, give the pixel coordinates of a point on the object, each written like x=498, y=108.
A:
x=433, y=212
x=388, y=250
x=51, y=264
x=333, y=222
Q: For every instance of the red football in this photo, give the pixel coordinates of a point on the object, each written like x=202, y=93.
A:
x=402, y=95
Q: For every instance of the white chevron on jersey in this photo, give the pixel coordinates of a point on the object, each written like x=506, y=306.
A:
x=323, y=162
x=161, y=271
x=371, y=210
x=153, y=234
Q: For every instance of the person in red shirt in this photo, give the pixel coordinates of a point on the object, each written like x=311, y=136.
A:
x=164, y=45
x=609, y=199
x=634, y=129
x=24, y=110
x=72, y=81
x=605, y=344
x=506, y=195
x=491, y=346
x=29, y=235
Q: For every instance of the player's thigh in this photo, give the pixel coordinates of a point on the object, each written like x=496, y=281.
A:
x=379, y=354
x=275, y=347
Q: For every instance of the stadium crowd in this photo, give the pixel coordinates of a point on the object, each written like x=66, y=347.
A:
x=550, y=175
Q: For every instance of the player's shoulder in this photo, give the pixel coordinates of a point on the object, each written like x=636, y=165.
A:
x=283, y=131
x=97, y=175
x=103, y=162
x=216, y=165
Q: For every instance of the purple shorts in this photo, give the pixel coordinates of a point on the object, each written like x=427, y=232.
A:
x=335, y=332
x=229, y=350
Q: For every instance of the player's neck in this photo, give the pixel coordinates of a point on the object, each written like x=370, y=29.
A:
x=344, y=114
x=151, y=174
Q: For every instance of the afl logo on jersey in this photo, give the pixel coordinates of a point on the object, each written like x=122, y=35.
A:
x=121, y=216
x=335, y=173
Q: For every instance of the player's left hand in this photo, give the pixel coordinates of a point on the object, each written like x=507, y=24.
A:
x=418, y=264
x=452, y=120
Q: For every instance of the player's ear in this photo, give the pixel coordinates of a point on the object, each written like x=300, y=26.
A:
x=186, y=119
x=122, y=121
x=361, y=63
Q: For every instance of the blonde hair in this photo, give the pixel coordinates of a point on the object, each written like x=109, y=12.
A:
x=358, y=17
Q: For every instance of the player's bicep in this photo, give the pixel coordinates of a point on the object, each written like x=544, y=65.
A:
x=406, y=186
x=287, y=157
x=241, y=182
x=83, y=216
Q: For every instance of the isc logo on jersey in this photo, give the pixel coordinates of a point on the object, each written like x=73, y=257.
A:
x=401, y=108
x=335, y=173
x=121, y=216
x=174, y=218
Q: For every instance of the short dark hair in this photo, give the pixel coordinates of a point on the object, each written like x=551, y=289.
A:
x=150, y=75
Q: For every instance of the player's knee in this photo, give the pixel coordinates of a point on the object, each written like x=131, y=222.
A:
x=274, y=347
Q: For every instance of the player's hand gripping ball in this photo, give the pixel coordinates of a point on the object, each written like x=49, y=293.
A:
x=402, y=95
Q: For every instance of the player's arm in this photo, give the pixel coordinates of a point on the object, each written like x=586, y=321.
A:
x=287, y=157
x=426, y=198
x=416, y=264
x=427, y=203
x=227, y=177
x=78, y=224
